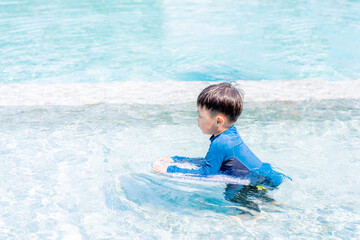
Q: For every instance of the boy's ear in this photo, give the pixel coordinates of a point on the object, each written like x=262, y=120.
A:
x=220, y=120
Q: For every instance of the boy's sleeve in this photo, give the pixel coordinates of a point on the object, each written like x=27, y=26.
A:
x=180, y=159
x=211, y=165
x=196, y=161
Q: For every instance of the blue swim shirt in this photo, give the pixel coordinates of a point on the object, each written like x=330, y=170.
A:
x=228, y=154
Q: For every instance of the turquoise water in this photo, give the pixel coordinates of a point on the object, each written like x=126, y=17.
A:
x=98, y=41
x=91, y=92
x=73, y=172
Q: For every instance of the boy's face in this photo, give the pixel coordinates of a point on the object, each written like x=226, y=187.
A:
x=206, y=121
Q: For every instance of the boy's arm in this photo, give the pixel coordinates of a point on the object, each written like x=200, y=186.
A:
x=188, y=159
x=161, y=164
x=179, y=159
x=212, y=164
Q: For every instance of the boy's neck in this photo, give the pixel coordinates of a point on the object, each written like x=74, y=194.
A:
x=223, y=128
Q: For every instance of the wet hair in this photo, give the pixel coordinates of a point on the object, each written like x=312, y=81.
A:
x=222, y=98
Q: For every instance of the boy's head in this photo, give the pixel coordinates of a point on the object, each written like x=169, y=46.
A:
x=222, y=100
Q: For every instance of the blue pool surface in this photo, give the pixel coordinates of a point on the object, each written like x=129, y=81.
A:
x=97, y=41
x=92, y=92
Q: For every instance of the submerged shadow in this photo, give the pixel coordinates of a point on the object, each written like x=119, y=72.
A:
x=247, y=197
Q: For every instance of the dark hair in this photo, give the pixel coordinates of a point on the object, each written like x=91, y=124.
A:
x=222, y=98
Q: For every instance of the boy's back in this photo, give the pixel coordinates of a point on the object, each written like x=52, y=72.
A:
x=237, y=158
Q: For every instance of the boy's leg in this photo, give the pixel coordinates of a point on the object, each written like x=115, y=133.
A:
x=239, y=194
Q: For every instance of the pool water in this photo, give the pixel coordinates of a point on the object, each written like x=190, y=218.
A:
x=156, y=40
x=91, y=92
x=83, y=171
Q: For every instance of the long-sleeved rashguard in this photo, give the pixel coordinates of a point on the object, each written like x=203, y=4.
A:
x=228, y=154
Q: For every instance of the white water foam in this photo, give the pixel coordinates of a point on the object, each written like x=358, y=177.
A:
x=169, y=92
x=211, y=178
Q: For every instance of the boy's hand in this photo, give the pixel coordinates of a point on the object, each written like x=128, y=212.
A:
x=165, y=160
x=161, y=164
x=160, y=168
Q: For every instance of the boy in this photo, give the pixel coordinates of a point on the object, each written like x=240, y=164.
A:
x=219, y=106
